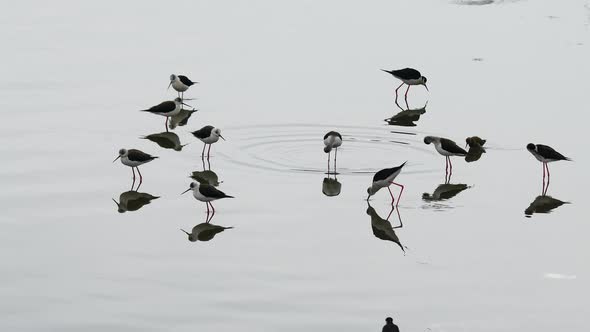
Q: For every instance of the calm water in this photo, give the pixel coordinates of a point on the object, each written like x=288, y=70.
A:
x=275, y=78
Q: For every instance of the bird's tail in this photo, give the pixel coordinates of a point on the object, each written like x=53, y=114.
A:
x=568, y=159
x=402, y=165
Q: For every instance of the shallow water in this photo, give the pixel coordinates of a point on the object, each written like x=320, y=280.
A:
x=275, y=78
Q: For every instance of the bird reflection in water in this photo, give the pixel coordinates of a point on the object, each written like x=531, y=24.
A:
x=543, y=204
x=476, y=148
x=205, y=231
x=180, y=119
x=206, y=176
x=133, y=200
x=444, y=191
x=407, y=117
x=382, y=228
x=166, y=140
x=331, y=186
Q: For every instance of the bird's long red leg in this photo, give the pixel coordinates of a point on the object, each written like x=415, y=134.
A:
x=207, y=203
x=140, y=177
x=329, y=163
x=543, y=191
x=392, y=198
x=396, y=92
x=406, y=96
x=166, y=124
x=400, y=193
x=390, y=212
x=213, y=210
x=133, y=184
x=450, y=166
x=208, y=154
x=335, y=156
x=203, y=153
x=447, y=165
x=548, y=179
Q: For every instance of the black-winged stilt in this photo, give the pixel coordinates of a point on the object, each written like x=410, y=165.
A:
x=545, y=154
x=208, y=135
x=206, y=193
x=180, y=83
x=384, y=178
x=332, y=140
x=134, y=158
x=167, y=108
x=447, y=148
x=408, y=76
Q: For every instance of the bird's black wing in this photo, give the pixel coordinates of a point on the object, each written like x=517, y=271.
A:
x=164, y=107
x=210, y=191
x=406, y=74
x=203, y=132
x=333, y=133
x=549, y=153
x=136, y=155
x=385, y=173
x=185, y=80
x=451, y=146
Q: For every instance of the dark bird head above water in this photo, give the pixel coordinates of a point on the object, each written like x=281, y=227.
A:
x=122, y=153
x=531, y=147
x=430, y=139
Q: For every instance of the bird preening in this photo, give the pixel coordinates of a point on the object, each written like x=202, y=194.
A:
x=332, y=141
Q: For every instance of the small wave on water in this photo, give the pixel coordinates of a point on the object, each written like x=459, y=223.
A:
x=299, y=148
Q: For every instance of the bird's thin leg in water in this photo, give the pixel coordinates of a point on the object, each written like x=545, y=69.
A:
x=450, y=166
x=390, y=212
x=401, y=224
x=446, y=165
x=406, y=96
x=212, y=209
x=543, y=191
x=208, y=219
x=133, y=184
x=329, y=162
x=166, y=124
x=207, y=203
x=140, y=178
x=396, y=91
x=209, y=154
x=400, y=193
x=548, y=179
x=203, y=153
x=390, y=193
x=335, y=156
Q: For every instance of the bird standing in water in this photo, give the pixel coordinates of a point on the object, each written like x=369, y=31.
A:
x=384, y=178
x=332, y=140
x=408, y=76
x=545, y=154
x=180, y=83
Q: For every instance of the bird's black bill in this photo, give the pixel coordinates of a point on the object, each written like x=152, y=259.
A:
x=169, y=85
x=387, y=71
x=186, y=191
x=185, y=104
x=116, y=158
x=222, y=137
x=426, y=87
x=187, y=233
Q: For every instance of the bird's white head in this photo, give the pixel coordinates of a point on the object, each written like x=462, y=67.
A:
x=423, y=82
x=372, y=190
x=217, y=133
x=122, y=153
x=193, y=186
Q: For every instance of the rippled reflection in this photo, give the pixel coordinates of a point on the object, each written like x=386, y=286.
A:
x=166, y=140
x=331, y=186
x=133, y=200
x=543, y=204
x=204, y=232
x=206, y=176
x=407, y=117
x=444, y=191
x=180, y=119
x=382, y=228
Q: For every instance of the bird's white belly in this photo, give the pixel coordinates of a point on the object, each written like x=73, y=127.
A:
x=440, y=150
x=413, y=82
x=333, y=141
x=197, y=194
x=179, y=86
x=210, y=140
x=125, y=161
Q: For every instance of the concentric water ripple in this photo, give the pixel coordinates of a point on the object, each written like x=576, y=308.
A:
x=299, y=148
